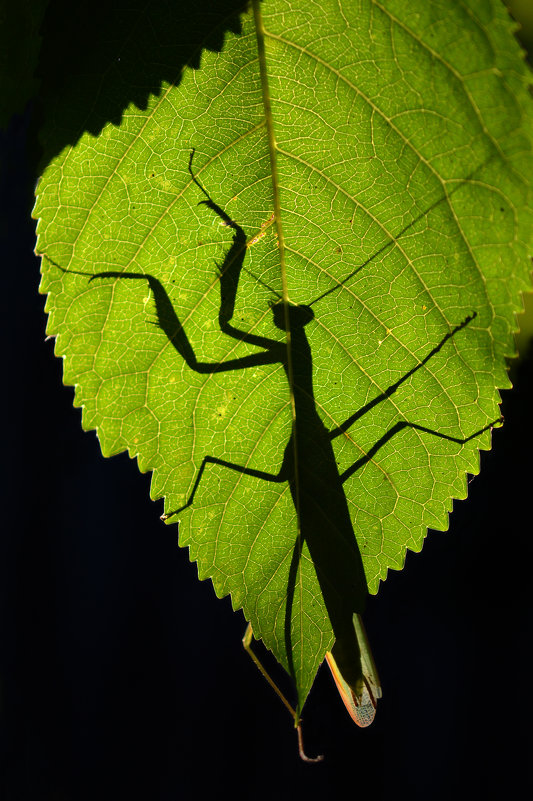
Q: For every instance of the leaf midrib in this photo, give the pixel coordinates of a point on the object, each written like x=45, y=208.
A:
x=260, y=34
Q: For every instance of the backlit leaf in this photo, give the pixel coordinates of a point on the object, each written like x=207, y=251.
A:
x=402, y=162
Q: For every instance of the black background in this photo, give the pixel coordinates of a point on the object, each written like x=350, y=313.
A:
x=122, y=676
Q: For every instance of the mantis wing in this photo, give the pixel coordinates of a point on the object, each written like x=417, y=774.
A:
x=361, y=699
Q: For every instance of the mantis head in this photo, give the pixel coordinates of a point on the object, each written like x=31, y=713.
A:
x=296, y=317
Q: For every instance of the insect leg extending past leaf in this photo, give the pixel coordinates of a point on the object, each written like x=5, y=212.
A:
x=247, y=644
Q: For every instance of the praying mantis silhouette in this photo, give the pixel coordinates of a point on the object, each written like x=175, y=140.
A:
x=308, y=466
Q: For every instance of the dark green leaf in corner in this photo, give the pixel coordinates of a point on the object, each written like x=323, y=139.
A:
x=394, y=207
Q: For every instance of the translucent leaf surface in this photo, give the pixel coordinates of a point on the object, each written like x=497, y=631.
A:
x=381, y=180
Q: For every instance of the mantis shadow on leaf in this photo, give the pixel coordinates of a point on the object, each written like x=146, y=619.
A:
x=309, y=465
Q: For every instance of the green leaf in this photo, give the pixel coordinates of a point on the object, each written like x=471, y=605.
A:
x=391, y=142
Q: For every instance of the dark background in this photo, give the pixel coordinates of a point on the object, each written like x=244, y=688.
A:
x=122, y=676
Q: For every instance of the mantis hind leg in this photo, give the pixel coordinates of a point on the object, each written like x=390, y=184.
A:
x=238, y=468
x=405, y=424
x=247, y=644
